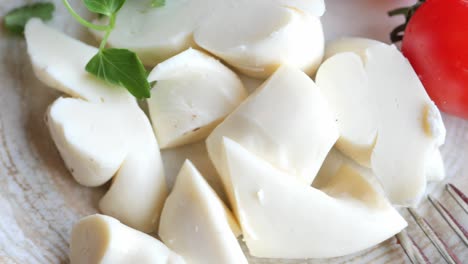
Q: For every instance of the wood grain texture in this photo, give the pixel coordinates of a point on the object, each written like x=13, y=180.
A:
x=40, y=201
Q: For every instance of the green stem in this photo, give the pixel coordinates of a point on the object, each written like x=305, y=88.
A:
x=110, y=27
x=83, y=21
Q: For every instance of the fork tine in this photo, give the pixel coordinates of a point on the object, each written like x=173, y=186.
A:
x=446, y=253
x=459, y=196
x=411, y=249
x=453, y=223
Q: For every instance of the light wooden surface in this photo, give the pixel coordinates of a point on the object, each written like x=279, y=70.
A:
x=39, y=201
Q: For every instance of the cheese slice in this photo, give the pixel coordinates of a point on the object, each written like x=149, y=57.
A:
x=192, y=94
x=102, y=134
x=196, y=223
x=280, y=35
x=386, y=119
x=286, y=122
x=100, y=239
x=283, y=218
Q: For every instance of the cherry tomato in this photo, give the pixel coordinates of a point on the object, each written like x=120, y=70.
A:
x=436, y=44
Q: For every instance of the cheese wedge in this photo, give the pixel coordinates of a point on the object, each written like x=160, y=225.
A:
x=100, y=239
x=102, y=134
x=196, y=224
x=281, y=217
x=385, y=117
x=280, y=35
x=286, y=121
x=192, y=94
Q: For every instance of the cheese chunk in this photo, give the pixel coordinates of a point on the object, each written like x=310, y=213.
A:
x=345, y=83
x=280, y=35
x=286, y=121
x=192, y=94
x=283, y=218
x=157, y=34
x=385, y=117
x=100, y=239
x=102, y=134
x=59, y=61
x=435, y=169
x=196, y=223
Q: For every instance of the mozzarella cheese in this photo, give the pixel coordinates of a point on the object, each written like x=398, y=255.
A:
x=102, y=134
x=99, y=239
x=286, y=31
x=435, y=169
x=280, y=35
x=59, y=61
x=157, y=34
x=344, y=82
x=283, y=218
x=286, y=121
x=192, y=94
x=386, y=119
x=196, y=224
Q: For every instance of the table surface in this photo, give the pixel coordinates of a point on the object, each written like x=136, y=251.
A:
x=40, y=201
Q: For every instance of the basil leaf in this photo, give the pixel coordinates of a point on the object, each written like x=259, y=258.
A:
x=15, y=20
x=104, y=7
x=121, y=67
x=158, y=3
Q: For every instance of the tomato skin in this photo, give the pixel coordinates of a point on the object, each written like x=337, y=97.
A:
x=436, y=44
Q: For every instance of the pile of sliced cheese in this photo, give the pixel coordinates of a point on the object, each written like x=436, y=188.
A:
x=310, y=169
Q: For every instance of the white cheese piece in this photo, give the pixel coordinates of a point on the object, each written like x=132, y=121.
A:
x=293, y=220
x=286, y=121
x=59, y=61
x=105, y=135
x=157, y=34
x=196, y=224
x=280, y=35
x=193, y=93
x=97, y=141
x=435, y=169
x=344, y=82
x=100, y=239
x=380, y=99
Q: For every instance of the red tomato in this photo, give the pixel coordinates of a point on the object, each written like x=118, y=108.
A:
x=436, y=44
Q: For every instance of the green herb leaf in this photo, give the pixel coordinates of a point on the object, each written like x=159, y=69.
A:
x=121, y=67
x=104, y=7
x=17, y=18
x=158, y=3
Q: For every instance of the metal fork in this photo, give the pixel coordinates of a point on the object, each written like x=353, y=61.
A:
x=411, y=248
